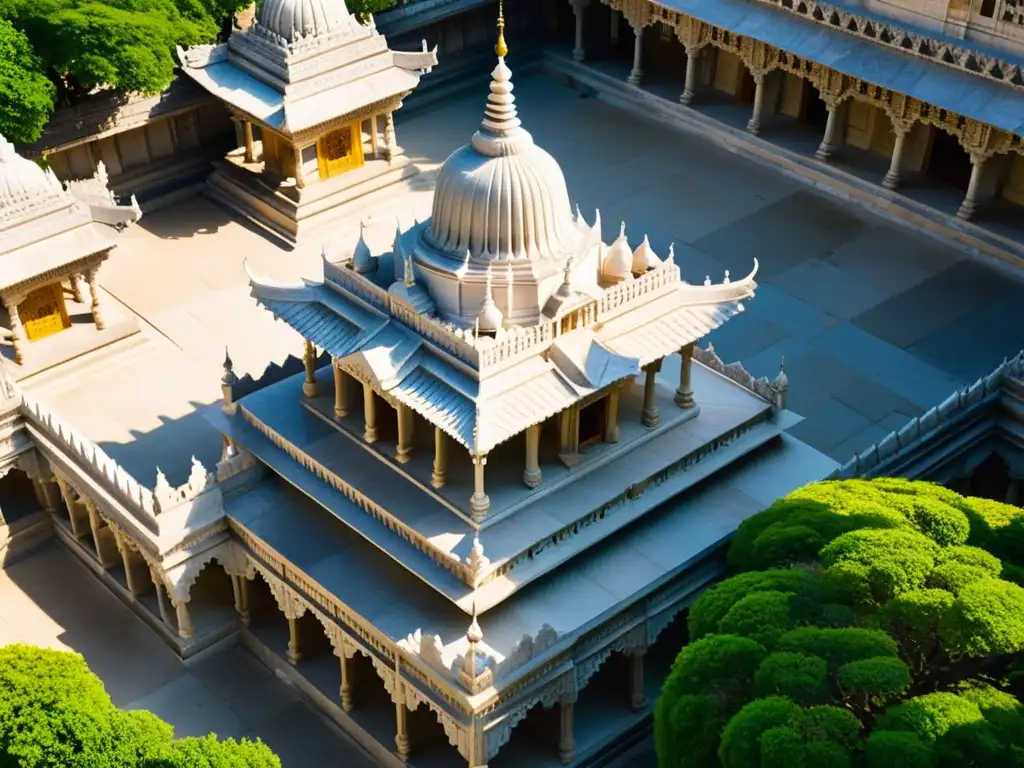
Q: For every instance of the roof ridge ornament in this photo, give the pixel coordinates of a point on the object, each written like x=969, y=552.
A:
x=500, y=48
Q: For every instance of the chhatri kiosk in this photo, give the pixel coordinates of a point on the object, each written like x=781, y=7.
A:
x=314, y=92
x=488, y=492
x=52, y=243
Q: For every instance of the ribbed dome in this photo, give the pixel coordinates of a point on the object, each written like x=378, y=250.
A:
x=22, y=181
x=618, y=261
x=501, y=196
x=296, y=19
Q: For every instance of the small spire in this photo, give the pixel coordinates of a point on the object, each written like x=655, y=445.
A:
x=565, y=289
x=474, y=634
x=726, y=280
x=500, y=48
x=622, y=231
x=229, y=377
x=707, y=279
x=782, y=380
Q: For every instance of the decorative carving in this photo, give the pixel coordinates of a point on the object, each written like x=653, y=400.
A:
x=199, y=481
x=526, y=649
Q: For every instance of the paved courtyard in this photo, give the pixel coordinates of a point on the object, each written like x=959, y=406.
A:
x=876, y=325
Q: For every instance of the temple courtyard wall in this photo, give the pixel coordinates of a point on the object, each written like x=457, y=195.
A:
x=877, y=322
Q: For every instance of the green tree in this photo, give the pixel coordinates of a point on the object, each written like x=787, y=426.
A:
x=54, y=713
x=896, y=636
x=26, y=95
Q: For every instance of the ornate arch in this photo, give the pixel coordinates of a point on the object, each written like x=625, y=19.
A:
x=456, y=733
x=183, y=577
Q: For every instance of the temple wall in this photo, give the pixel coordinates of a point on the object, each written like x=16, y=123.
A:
x=791, y=99
x=153, y=159
x=1013, y=187
x=728, y=73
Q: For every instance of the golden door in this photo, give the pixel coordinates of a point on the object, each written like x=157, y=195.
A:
x=340, y=150
x=43, y=312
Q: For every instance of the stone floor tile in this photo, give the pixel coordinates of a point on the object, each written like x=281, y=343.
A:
x=231, y=673
x=829, y=425
x=262, y=700
x=829, y=288
x=192, y=708
x=898, y=371
x=858, y=443
x=936, y=303
x=796, y=317
x=892, y=259
x=303, y=739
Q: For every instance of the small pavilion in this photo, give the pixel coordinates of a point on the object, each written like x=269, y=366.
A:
x=313, y=91
x=50, y=236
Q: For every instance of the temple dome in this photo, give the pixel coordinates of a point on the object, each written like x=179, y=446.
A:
x=618, y=260
x=293, y=20
x=501, y=196
x=22, y=180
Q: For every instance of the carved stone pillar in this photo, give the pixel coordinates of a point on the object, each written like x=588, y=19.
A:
x=69, y=496
x=405, y=430
x=439, y=476
x=309, y=386
x=342, y=393
x=650, y=417
x=611, y=415
x=754, y=124
x=18, y=338
x=94, y=291
x=161, y=599
x=566, y=735
x=374, y=137
x=186, y=629
x=294, y=653
x=479, y=502
x=401, y=726
x=389, y=137
x=346, y=683
x=970, y=204
x=369, y=414
x=76, y=289
x=240, y=586
x=578, y=8
x=300, y=172
x=692, y=67
x=130, y=561
x=684, y=394
x=636, y=75
x=569, y=444
x=101, y=536
x=532, y=474
x=828, y=143
x=637, y=697
x=892, y=178
x=250, y=147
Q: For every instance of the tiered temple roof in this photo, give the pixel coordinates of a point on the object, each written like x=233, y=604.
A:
x=303, y=63
x=44, y=227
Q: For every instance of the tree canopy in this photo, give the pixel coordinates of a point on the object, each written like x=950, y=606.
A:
x=26, y=95
x=867, y=624
x=55, y=713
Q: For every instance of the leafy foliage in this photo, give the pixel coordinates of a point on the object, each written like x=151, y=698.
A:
x=896, y=636
x=54, y=713
x=26, y=95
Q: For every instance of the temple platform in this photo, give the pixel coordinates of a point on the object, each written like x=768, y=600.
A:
x=79, y=339
x=528, y=532
x=325, y=550
x=298, y=215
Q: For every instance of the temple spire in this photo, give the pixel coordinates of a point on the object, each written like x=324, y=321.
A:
x=500, y=118
x=500, y=48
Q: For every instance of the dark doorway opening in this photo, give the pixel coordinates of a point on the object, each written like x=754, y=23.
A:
x=592, y=423
x=815, y=111
x=947, y=161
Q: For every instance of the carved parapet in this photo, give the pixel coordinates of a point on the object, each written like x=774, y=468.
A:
x=919, y=427
x=430, y=650
x=526, y=650
x=166, y=497
x=735, y=372
x=92, y=460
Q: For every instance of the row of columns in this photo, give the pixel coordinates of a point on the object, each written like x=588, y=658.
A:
x=831, y=138
x=532, y=474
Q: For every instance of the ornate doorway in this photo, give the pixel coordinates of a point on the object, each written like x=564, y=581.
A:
x=43, y=312
x=339, y=151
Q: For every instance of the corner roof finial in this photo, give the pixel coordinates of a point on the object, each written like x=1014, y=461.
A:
x=500, y=48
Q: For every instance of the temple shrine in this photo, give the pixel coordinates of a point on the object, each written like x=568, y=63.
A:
x=52, y=243
x=313, y=92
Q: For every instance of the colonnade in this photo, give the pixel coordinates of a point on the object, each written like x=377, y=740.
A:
x=835, y=104
x=346, y=385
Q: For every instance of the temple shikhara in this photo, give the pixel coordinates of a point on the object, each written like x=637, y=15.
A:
x=52, y=243
x=314, y=92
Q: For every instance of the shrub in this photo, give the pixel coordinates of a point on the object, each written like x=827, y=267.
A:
x=741, y=737
x=876, y=681
x=714, y=603
x=797, y=676
x=761, y=616
x=930, y=716
x=839, y=646
x=898, y=749
x=997, y=528
x=893, y=562
x=986, y=618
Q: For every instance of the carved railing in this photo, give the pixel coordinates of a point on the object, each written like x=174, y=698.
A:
x=93, y=460
x=735, y=372
x=450, y=562
x=919, y=427
x=622, y=295
x=144, y=504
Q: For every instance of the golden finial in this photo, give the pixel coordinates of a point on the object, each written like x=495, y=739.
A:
x=501, y=49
